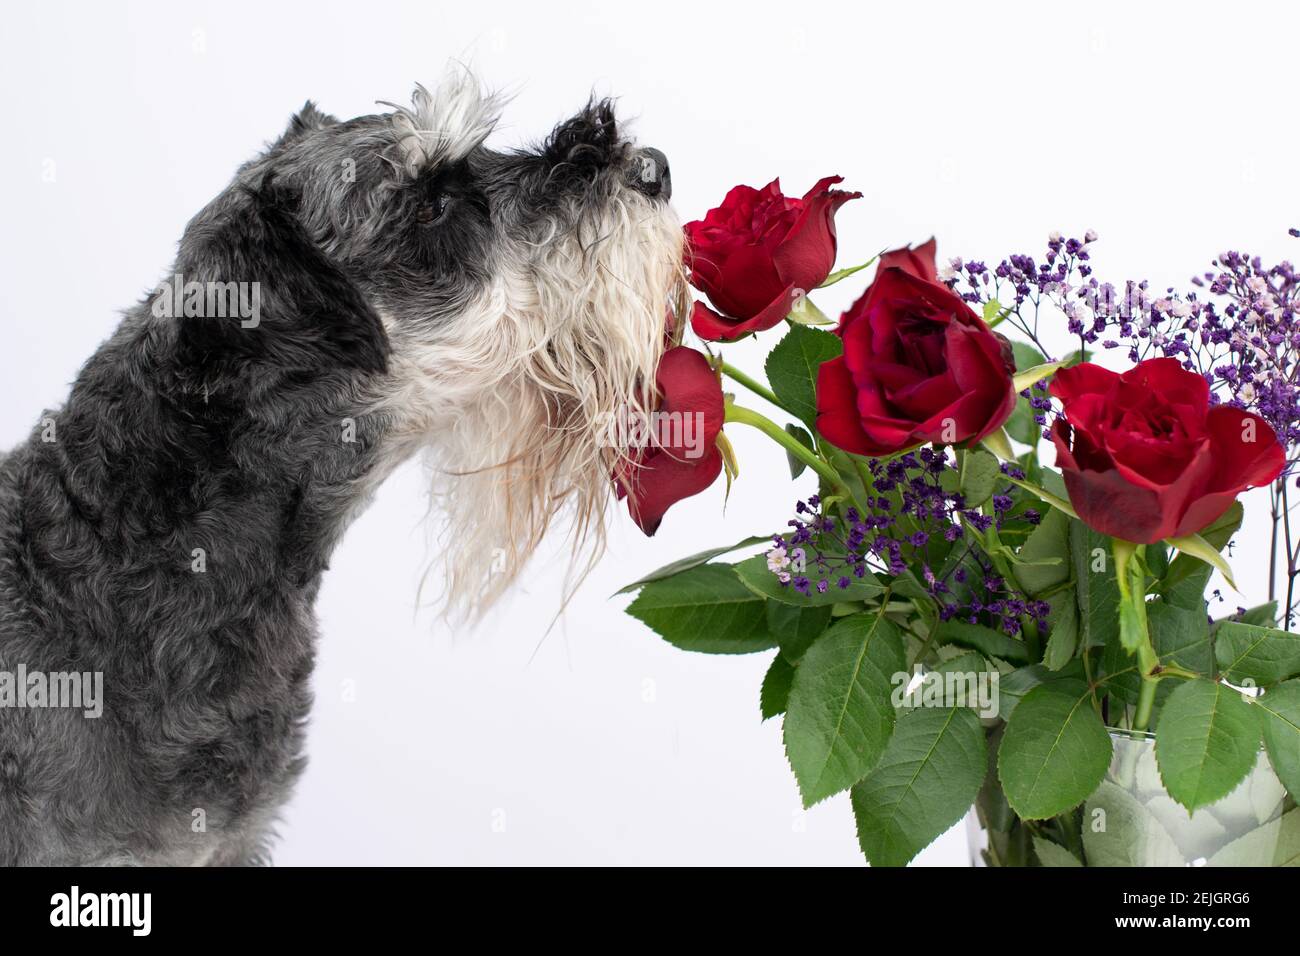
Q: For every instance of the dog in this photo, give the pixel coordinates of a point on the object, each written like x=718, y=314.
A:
x=363, y=291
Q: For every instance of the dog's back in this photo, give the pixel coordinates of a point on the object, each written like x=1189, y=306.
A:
x=125, y=566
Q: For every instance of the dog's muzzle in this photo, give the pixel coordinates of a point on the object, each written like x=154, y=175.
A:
x=650, y=173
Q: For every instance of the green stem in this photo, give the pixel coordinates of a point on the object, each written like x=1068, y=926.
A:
x=1146, y=700
x=753, y=384
x=747, y=416
x=1135, y=634
x=924, y=648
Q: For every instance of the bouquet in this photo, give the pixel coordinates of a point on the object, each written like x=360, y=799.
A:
x=993, y=602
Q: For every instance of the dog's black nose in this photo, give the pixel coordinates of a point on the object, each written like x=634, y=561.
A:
x=650, y=173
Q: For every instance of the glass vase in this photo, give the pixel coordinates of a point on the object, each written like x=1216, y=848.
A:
x=1130, y=820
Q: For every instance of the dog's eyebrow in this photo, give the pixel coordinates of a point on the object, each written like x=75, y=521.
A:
x=446, y=125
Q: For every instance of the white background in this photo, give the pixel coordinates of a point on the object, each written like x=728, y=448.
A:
x=1167, y=128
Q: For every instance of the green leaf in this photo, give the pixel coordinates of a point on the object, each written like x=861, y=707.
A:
x=1131, y=578
x=695, y=560
x=1281, y=709
x=1274, y=844
x=994, y=313
x=840, y=715
x=1030, y=376
x=1261, y=655
x=1013, y=687
x=797, y=465
x=1197, y=547
x=1264, y=615
x=1049, y=542
x=792, y=368
x=795, y=628
x=1216, y=534
x=1095, y=585
x=806, y=313
x=1026, y=355
x=979, y=476
x=1055, y=500
x=999, y=444
x=906, y=585
x=1207, y=739
x=705, y=609
x=1120, y=831
x=987, y=641
x=840, y=274
x=1063, y=625
x=1189, y=591
x=775, y=692
x=966, y=663
x=1053, y=854
x=756, y=576
x=1055, y=750
x=1181, y=637
x=927, y=778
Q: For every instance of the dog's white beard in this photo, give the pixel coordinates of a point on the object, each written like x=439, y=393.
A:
x=516, y=396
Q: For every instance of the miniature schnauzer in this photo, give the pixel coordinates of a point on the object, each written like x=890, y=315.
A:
x=362, y=290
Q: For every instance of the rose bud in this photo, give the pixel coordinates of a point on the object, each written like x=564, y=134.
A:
x=1144, y=455
x=918, y=366
x=681, y=457
x=759, y=251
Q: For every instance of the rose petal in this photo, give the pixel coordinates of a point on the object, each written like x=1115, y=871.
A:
x=1242, y=464
x=807, y=254
x=663, y=480
x=689, y=385
x=712, y=327
x=837, y=414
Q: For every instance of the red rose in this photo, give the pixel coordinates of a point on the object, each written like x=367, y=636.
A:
x=1144, y=455
x=757, y=251
x=918, y=366
x=682, y=457
x=918, y=262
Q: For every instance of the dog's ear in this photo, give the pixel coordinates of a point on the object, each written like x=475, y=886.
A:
x=254, y=288
x=306, y=120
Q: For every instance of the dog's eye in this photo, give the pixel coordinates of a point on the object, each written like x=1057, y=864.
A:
x=431, y=210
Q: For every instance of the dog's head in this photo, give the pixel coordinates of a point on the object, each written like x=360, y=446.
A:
x=515, y=302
